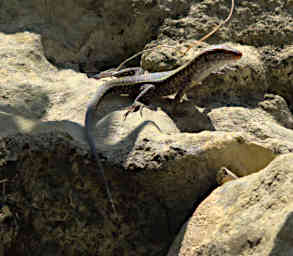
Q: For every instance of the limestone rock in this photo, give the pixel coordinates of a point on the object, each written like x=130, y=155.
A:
x=159, y=166
x=248, y=216
x=87, y=35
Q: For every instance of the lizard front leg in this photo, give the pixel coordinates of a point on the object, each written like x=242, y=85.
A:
x=136, y=105
x=179, y=95
x=178, y=98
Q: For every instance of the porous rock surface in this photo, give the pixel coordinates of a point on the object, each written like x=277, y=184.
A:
x=248, y=216
x=160, y=166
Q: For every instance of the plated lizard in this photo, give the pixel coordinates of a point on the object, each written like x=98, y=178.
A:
x=147, y=86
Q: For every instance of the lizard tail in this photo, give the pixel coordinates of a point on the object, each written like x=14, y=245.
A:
x=89, y=123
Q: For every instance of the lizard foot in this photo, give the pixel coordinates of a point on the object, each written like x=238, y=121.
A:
x=136, y=106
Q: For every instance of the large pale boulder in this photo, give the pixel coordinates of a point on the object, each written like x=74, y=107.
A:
x=248, y=216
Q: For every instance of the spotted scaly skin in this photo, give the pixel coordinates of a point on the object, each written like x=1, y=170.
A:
x=150, y=85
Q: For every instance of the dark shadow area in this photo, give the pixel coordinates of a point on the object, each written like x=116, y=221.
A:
x=187, y=117
x=181, y=229
x=283, y=242
x=51, y=177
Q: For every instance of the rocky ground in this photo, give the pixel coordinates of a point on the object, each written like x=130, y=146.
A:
x=162, y=168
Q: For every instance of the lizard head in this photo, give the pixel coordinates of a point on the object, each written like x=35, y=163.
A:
x=212, y=59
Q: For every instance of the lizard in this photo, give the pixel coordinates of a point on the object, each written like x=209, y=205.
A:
x=148, y=85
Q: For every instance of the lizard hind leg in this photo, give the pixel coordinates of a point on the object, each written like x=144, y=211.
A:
x=136, y=105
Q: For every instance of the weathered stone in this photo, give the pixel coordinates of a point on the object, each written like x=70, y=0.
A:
x=53, y=180
x=268, y=121
x=86, y=35
x=248, y=216
x=280, y=72
x=54, y=191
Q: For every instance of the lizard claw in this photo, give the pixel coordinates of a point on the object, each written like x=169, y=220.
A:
x=133, y=108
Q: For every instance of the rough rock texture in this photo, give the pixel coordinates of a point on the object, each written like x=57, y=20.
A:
x=248, y=216
x=161, y=166
x=86, y=35
x=267, y=25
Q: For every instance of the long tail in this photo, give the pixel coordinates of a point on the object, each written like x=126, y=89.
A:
x=89, y=123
